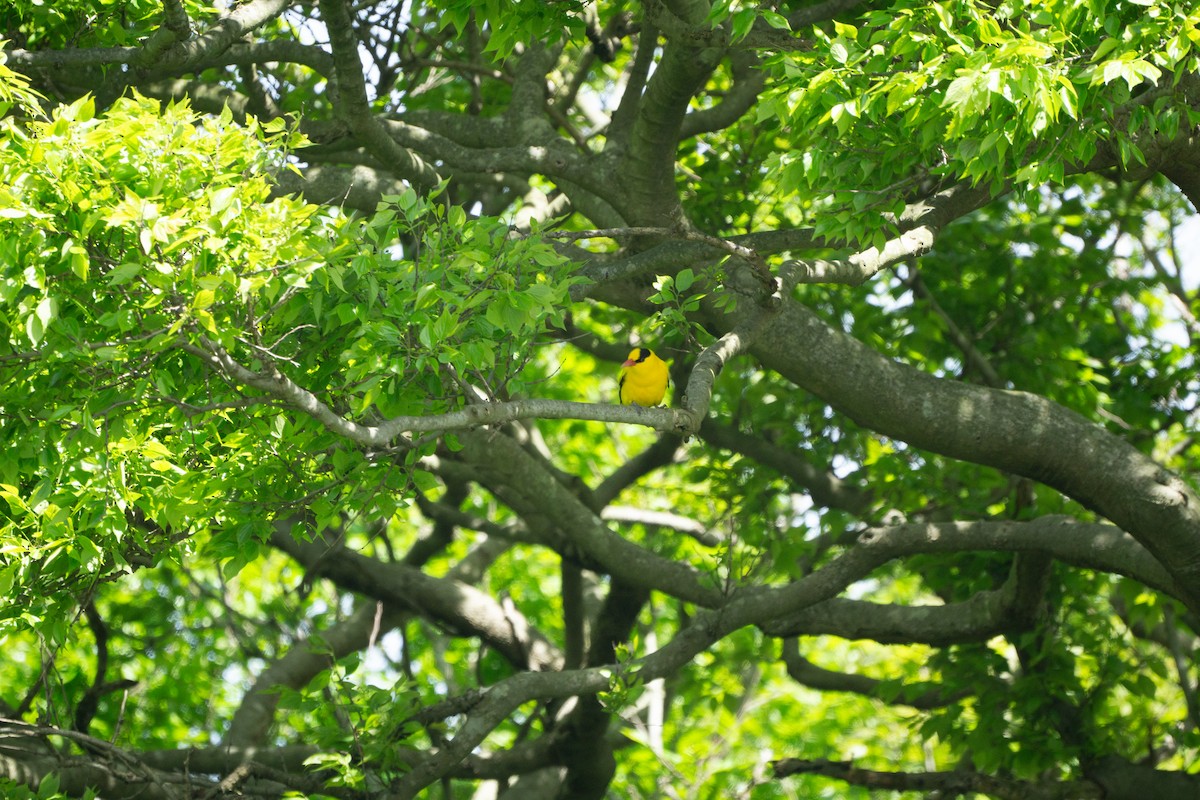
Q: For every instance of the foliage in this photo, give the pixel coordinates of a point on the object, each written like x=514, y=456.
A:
x=291, y=467
x=967, y=91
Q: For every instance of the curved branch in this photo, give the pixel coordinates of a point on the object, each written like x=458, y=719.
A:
x=984, y=615
x=710, y=362
x=809, y=674
x=458, y=605
x=297, y=667
x=809, y=605
x=350, y=99
x=748, y=81
x=1089, y=545
x=976, y=619
x=1013, y=431
x=918, y=227
x=650, y=177
x=625, y=116
x=574, y=529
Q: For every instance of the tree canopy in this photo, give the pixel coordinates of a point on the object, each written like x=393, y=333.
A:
x=315, y=484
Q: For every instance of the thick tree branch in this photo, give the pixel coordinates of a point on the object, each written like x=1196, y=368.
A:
x=625, y=117
x=748, y=81
x=807, y=607
x=650, y=178
x=459, y=606
x=1124, y=780
x=576, y=531
x=350, y=99
x=580, y=743
x=1013, y=431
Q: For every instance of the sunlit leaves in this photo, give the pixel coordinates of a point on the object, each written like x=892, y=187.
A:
x=443, y=295
x=511, y=22
x=966, y=92
x=148, y=228
x=15, y=92
x=137, y=473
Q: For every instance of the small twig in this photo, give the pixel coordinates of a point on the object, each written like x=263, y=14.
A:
x=956, y=334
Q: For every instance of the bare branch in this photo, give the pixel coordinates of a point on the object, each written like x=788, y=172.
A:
x=663, y=519
x=1016, y=432
x=709, y=364
x=350, y=99
x=950, y=783
x=918, y=226
x=458, y=605
x=558, y=516
x=394, y=432
x=805, y=672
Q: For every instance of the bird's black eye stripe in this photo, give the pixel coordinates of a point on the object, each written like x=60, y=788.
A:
x=643, y=354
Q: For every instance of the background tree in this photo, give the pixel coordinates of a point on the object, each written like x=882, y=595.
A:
x=313, y=482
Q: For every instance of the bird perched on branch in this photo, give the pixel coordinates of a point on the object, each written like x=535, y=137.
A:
x=643, y=378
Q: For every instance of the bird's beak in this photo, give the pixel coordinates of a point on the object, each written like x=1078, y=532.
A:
x=629, y=363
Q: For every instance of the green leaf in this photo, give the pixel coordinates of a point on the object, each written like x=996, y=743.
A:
x=204, y=299
x=684, y=279
x=743, y=21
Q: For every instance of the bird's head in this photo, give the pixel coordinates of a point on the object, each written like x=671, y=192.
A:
x=637, y=356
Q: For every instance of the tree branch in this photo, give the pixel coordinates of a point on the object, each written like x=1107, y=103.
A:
x=1013, y=431
x=650, y=181
x=949, y=783
x=662, y=519
x=350, y=99
x=393, y=432
x=458, y=605
x=748, y=81
x=822, y=486
x=919, y=225
x=570, y=526
x=809, y=674
x=709, y=364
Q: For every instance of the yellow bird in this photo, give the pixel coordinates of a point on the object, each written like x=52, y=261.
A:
x=643, y=378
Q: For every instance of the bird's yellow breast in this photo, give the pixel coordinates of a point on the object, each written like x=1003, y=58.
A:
x=643, y=380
